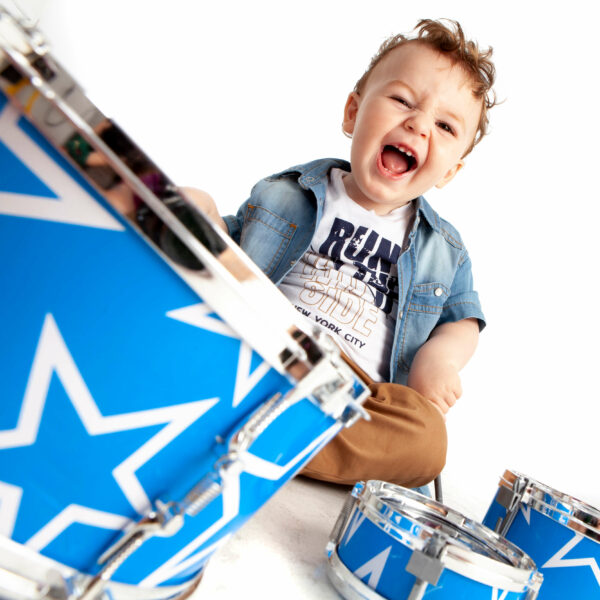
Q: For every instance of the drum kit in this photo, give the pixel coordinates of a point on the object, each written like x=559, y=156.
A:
x=157, y=390
x=534, y=542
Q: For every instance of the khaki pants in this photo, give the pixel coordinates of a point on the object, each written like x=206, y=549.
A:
x=404, y=442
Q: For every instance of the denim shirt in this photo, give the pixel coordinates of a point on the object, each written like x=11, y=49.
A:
x=435, y=285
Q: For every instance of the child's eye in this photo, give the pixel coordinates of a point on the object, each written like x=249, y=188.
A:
x=445, y=127
x=402, y=101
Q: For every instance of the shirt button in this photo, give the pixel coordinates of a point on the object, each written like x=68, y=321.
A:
x=401, y=314
x=438, y=292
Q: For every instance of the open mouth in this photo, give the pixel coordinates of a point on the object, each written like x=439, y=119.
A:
x=397, y=160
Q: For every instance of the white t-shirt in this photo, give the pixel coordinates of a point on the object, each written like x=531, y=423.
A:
x=347, y=281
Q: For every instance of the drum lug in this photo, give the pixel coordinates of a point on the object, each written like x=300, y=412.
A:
x=34, y=37
x=339, y=404
x=54, y=593
x=511, y=499
x=424, y=567
x=358, y=489
x=333, y=384
x=161, y=522
x=507, y=498
x=427, y=566
x=330, y=382
x=340, y=525
x=534, y=588
x=16, y=584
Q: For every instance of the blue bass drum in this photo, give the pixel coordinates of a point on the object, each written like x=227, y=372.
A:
x=391, y=542
x=561, y=533
x=139, y=428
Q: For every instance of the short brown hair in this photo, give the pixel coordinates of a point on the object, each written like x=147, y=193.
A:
x=449, y=40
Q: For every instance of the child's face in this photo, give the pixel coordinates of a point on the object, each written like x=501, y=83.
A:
x=415, y=101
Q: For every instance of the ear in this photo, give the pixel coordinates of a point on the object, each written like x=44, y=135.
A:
x=350, y=112
x=449, y=176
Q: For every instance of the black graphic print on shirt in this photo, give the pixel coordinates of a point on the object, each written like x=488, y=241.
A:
x=373, y=257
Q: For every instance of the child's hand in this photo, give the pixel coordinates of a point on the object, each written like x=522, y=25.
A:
x=206, y=204
x=438, y=382
x=434, y=370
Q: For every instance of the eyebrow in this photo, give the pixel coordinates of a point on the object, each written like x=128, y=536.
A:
x=457, y=118
x=404, y=84
x=451, y=114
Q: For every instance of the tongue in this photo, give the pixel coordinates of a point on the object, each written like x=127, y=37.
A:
x=393, y=160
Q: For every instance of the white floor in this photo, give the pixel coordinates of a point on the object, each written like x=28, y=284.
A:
x=280, y=552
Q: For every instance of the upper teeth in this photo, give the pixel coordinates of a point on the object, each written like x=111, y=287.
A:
x=407, y=152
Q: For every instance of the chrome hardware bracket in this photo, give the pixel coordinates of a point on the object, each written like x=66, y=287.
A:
x=340, y=525
x=510, y=499
x=161, y=522
x=427, y=566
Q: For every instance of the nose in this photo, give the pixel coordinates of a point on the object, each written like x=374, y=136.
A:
x=418, y=124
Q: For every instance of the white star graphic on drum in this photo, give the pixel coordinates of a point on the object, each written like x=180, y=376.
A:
x=199, y=315
x=53, y=357
x=374, y=568
x=66, y=201
x=558, y=559
x=355, y=523
x=252, y=465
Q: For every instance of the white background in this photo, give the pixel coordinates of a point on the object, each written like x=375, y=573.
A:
x=220, y=94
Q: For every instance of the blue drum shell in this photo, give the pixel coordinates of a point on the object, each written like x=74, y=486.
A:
x=547, y=528
x=119, y=385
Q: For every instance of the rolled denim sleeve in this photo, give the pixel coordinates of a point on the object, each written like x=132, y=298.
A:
x=235, y=222
x=463, y=301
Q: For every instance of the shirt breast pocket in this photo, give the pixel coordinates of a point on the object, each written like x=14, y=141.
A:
x=428, y=299
x=265, y=237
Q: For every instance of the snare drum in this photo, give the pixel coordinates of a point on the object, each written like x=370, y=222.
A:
x=138, y=428
x=561, y=533
x=391, y=542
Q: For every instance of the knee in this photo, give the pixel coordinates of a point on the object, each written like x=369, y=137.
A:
x=431, y=450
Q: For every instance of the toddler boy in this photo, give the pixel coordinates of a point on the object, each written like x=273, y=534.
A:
x=359, y=251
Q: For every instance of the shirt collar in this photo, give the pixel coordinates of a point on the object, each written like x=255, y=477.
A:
x=422, y=207
x=314, y=173
x=318, y=170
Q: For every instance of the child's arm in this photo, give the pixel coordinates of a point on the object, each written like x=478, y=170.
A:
x=434, y=371
x=206, y=204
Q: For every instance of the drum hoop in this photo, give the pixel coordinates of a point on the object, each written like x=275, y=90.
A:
x=514, y=576
x=346, y=583
x=566, y=510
